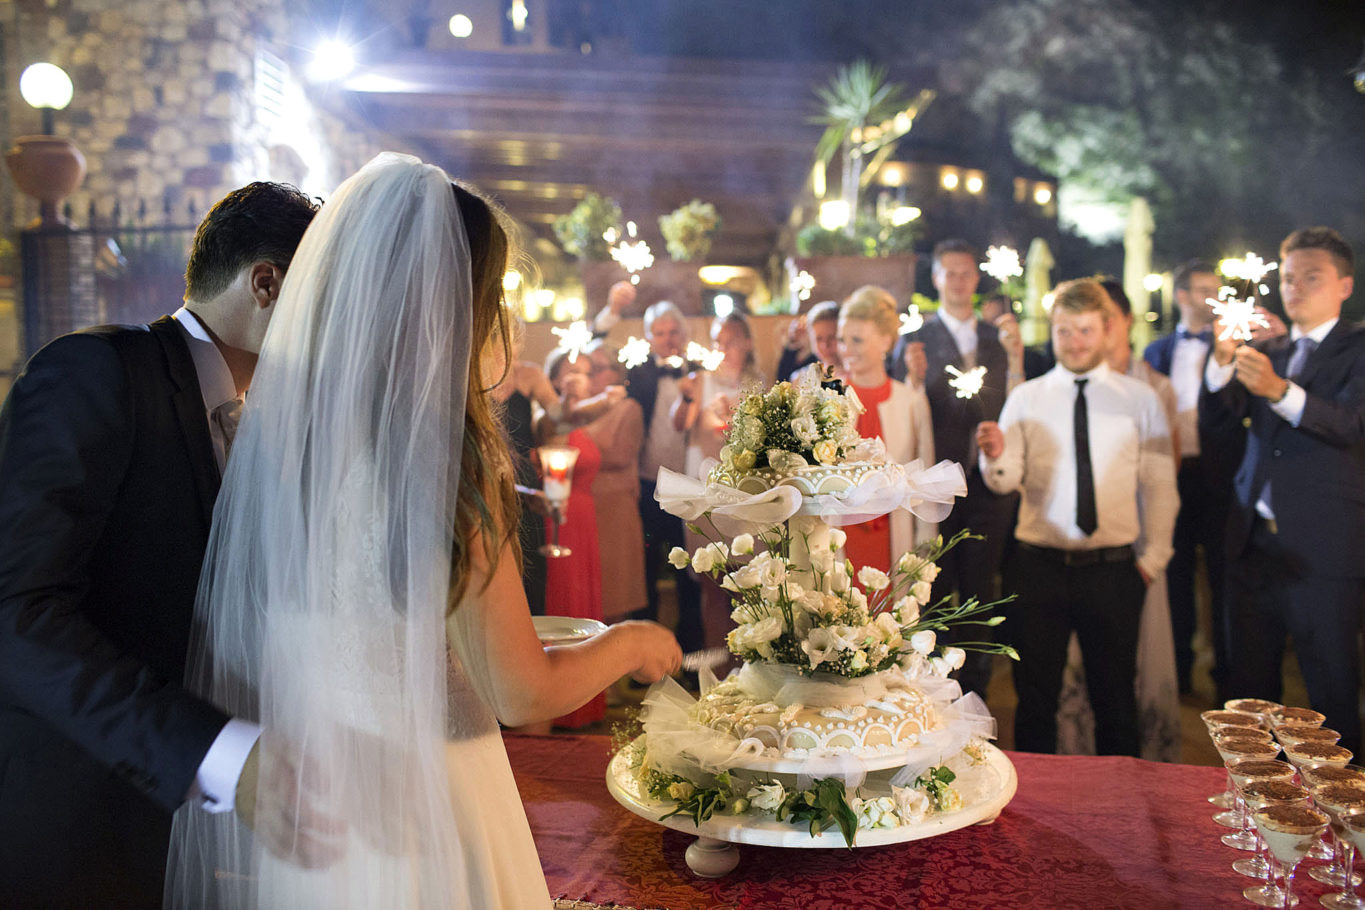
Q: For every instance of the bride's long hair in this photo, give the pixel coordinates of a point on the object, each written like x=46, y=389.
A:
x=486, y=511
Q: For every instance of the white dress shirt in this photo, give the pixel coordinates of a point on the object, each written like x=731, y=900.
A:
x=215, y=783
x=1130, y=451
x=665, y=446
x=1187, y=374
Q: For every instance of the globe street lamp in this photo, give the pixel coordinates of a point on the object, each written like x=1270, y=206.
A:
x=46, y=167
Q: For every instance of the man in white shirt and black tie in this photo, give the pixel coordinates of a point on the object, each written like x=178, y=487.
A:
x=1090, y=451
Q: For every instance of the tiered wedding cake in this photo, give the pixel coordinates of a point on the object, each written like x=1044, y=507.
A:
x=843, y=711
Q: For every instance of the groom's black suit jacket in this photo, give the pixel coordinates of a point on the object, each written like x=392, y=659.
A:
x=107, y=484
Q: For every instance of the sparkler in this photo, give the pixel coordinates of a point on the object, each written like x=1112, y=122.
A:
x=911, y=321
x=709, y=358
x=968, y=384
x=574, y=339
x=634, y=352
x=1238, y=314
x=803, y=283
x=1002, y=263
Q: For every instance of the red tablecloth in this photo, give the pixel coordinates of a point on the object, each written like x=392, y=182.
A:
x=1081, y=832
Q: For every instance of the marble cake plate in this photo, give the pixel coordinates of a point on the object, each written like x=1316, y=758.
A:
x=986, y=788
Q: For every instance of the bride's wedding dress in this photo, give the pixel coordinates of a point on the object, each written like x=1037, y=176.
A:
x=493, y=864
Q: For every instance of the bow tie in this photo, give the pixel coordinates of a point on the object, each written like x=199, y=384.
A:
x=1206, y=335
x=672, y=372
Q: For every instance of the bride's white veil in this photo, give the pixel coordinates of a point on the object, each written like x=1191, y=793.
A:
x=322, y=602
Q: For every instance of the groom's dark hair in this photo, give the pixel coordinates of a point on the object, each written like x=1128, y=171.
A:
x=261, y=222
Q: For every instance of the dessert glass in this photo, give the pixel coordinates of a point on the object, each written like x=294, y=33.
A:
x=1289, y=833
x=1221, y=721
x=1259, y=794
x=1233, y=751
x=1335, y=799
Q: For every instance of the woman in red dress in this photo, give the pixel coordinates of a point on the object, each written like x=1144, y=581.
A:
x=899, y=415
x=573, y=583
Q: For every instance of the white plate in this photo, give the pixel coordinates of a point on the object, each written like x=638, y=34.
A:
x=562, y=630
x=987, y=788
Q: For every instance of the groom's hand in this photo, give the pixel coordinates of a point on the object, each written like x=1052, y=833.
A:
x=273, y=800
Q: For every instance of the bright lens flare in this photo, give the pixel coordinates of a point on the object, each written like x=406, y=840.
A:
x=1002, y=263
x=1238, y=317
x=573, y=339
x=803, y=284
x=1250, y=268
x=634, y=352
x=968, y=384
x=911, y=321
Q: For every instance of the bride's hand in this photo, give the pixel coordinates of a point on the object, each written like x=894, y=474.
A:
x=655, y=647
x=276, y=798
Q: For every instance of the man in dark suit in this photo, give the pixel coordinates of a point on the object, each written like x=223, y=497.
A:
x=954, y=336
x=1296, y=529
x=112, y=444
x=1205, y=472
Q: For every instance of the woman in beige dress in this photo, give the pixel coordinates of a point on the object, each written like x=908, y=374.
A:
x=619, y=432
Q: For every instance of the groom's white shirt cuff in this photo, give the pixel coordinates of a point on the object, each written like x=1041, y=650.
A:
x=215, y=784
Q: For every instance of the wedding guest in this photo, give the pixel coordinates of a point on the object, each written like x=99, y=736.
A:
x=1157, y=695
x=112, y=446
x=703, y=413
x=620, y=297
x=1205, y=477
x=954, y=337
x=1296, y=527
x=618, y=435
x=525, y=386
x=897, y=413
x=822, y=326
x=1076, y=566
x=573, y=583
x=655, y=386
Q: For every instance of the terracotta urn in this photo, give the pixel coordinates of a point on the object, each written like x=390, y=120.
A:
x=48, y=168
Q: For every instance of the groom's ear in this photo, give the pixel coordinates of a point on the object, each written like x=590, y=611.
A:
x=265, y=279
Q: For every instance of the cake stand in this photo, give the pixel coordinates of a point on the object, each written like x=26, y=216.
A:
x=986, y=787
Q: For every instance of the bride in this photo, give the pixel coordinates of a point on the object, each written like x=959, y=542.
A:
x=361, y=596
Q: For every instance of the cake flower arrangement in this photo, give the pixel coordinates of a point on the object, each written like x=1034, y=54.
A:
x=843, y=673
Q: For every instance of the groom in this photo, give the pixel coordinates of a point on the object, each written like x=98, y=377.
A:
x=112, y=444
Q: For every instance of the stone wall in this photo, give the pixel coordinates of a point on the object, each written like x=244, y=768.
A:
x=166, y=104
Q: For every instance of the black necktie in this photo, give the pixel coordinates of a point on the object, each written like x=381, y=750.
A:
x=1086, y=519
x=666, y=371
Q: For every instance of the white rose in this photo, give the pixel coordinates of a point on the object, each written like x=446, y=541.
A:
x=704, y=560
x=911, y=804
x=837, y=538
x=795, y=592
x=805, y=429
x=859, y=660
x=728, y=583
x=774, y=572
x=907, y=611
x=748, y=577
x=677, y=557
x=875, y=813
x=758, y=636
x=954, y=657
x=940, y=667
x=923, y=641
x=949, y=800
x=873, y=579
x=819, y=646
x=742, y=545
x=681, y=790
x=886, y=624
x=857, y=598
x=826, y=451
x=921, y=591
x=766, y=796
x=838, y=580
x=910, y=563
x=721, y=551
x=929, y=572
x=821, y=561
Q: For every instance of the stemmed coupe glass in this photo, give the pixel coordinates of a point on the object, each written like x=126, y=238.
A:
x=556, y=468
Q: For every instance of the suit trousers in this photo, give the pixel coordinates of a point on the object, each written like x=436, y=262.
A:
x=1202, y=522
x=1102, y=603
x=1271, y=594
x=663, y=532
x=971, y=569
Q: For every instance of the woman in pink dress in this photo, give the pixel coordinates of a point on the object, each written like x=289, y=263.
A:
x=573, y=583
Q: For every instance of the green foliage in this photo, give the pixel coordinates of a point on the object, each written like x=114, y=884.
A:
x=689, y=229
x=813, y=240
x=935, y=783
x=581, y=231
x=825, y=803
x=857, y=97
